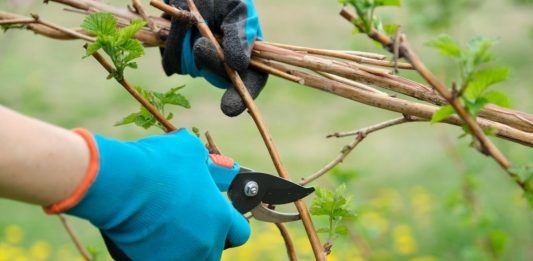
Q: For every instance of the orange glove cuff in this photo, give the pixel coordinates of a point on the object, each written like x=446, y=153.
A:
x=90, y=176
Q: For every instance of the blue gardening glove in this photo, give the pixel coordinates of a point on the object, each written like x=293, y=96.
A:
x=155, y=199
x=187, y=52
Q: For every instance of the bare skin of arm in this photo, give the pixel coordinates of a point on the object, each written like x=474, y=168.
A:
x=39, y=163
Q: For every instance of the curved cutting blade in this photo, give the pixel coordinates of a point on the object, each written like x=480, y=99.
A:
x=268, y=215
x=272, y=190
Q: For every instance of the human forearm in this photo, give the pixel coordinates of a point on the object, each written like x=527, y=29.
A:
x=39, y=163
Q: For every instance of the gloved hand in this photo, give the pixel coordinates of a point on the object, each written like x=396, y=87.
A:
x=155, y=198
x=187, y=52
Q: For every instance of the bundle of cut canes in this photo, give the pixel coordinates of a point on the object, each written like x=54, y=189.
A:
x=363, y=77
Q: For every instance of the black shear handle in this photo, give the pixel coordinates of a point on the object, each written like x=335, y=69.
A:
x=116, y=253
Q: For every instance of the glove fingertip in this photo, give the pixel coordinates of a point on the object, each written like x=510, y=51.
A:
x=236, y=51
x=239, y=231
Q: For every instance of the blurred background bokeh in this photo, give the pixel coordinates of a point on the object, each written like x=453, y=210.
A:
x=407, y=183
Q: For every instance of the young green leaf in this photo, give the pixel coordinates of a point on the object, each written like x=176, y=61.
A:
x=483, y=78
x=387, y=2
x=446, y=45
x=174, y=98
x=196, y=131
x=498, y=98
x=129, y=31
x=117, y=44
x=474, y=107
x=144, y=118
x=479, y=50
x=442, y=113
x=336, y=206
x=134, y=49
x=100, y=24
x=128, y=119
x=93, y=47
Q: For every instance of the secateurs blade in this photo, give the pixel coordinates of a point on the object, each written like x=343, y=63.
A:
x=249, y=190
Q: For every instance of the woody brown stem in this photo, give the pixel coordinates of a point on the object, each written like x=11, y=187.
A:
x=159, y=117
x=405, y=107
x=140, y=10
x=512, y=118
x=289, y=245
x=346, y=150
x=405, y=51
x=73, y=236
x=260, y=123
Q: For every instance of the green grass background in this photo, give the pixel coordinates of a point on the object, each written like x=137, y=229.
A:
x=47, y=79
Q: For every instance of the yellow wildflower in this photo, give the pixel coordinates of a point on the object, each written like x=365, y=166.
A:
x=420, y=201
x=40, y=250
x=9, y=252
x=13, y=234
x=404, y=243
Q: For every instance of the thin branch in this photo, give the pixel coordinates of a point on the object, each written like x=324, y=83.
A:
x=342, y=55
x=346, y=150
x=289, y=245
x=391, y=82
x=351, y=83
x=376, y=127
x=159, y=117
x=211, y=145
x=84, y=253
x=487, y=147
x=263, y=65
x=140, y=10
x=17, y=21
x=401, y=106
x=513, y=118
x=375, y=56
x=63, y=29
x=257, y=117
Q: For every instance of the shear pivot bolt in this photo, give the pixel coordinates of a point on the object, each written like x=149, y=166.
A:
x=251, y=189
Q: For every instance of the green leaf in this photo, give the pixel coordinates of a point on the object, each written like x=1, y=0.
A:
x=498, y=98
x=474, y=107
x=387, y=3
x=128, y=119
x=323, y=230
x=129, y=31
x=341, y=230
x=446, y=45
x=174, y=98
x=132, y=65
x=391, y=29
x=481, y=79
x=170, y=116
x=100, y=24
x=134, y=49
x=442, y=113
x=92, y=48
x=196, y=131
x=479, y=50
x=498, y=241
x=490, y=131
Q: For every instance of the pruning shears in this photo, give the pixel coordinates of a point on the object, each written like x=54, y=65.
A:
x=248, y=190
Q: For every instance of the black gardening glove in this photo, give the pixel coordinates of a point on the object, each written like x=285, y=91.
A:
x=187, y=52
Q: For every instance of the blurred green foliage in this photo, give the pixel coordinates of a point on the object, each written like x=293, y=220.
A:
x=440, y=14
